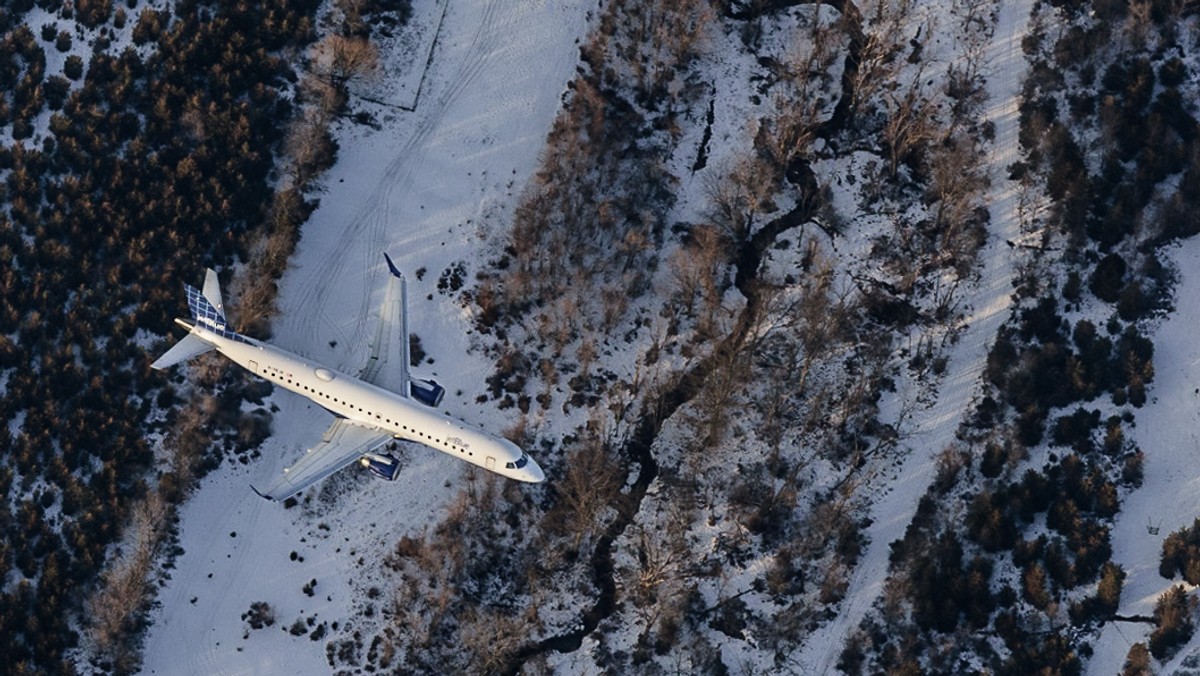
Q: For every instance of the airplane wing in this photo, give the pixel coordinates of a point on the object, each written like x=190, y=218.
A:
x=343, y=443
x=387, y=364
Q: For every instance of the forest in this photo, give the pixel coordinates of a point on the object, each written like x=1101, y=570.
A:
x=1036, y=541
x=119, y=179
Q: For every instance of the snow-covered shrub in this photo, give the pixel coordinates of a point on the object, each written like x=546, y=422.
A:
x=260, y=615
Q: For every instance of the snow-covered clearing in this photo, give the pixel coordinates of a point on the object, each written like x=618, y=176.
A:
x=403, y=57
x=933, y=428
x=1169, y=498
x=427, y=188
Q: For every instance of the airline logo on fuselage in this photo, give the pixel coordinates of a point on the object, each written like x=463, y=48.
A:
x=211, y=322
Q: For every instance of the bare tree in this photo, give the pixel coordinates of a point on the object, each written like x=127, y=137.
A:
x=802, y=325
x=876, y=67
x=342, y=60
x=910, y=124
x=662, y=37
x=587, y=489
x=1138, y=23
x=714, y=403
x=659, y=561
x=124, y=588
x=308, y=148
x=696, y=273
x=737, y=198
x=957, y=182
x=491, y=639
x=789, y=133
x=188, y=438
x=352, y=12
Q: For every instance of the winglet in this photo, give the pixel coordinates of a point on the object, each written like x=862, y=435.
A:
x=212, y=290
x=261, y=494
x=391, y=265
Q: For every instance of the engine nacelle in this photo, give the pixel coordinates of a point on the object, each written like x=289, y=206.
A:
x=383, y=465
x=427, y=392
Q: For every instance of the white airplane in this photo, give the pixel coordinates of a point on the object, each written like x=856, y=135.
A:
x=369, y=411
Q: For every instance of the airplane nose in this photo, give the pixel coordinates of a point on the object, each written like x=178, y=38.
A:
x=536, y=475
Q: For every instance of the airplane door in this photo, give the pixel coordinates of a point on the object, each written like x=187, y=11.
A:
x=491, y=462
x=253, y=366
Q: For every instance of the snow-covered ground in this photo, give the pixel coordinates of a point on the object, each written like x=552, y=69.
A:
x=933, y=427
x=1169, y=498
x=429, y=188
x=402, y=58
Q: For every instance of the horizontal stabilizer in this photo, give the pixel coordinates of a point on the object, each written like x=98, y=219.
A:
x=189, y=347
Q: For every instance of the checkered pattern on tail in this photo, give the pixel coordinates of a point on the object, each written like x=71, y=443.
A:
x=203, y=311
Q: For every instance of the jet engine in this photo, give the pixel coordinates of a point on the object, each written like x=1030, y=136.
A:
x=427, y=392
x=382, y=465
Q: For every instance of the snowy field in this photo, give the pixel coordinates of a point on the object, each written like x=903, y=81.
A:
x=403, y=57
x=430, y=188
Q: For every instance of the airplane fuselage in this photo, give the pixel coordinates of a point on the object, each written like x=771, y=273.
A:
x=361, y=402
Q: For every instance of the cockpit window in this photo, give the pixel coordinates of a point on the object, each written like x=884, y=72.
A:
x=522, y=461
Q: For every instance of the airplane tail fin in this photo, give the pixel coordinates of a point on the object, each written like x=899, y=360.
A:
x=206, y=308
x=206, y=305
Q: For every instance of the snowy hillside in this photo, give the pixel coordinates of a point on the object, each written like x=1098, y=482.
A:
x=823, y=234
x=853, y=337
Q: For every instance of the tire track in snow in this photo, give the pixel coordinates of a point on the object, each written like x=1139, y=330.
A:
x=400, y=173
x=987, y=309
x=370, y=222
x=202, y=619
x=233, y=571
